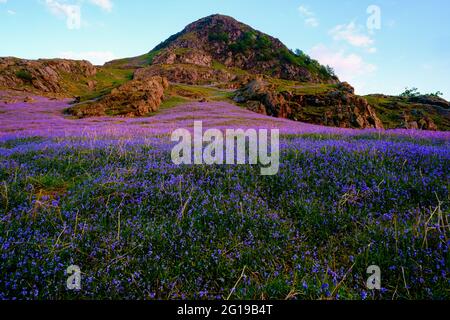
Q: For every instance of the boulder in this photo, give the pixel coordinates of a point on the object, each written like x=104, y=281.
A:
x=136, y=98
x=422, y=123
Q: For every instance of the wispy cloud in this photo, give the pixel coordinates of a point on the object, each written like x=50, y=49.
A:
x=104, y=4
x=71, y=11
x=95, y=57
x=354, y=36
x=347, y=66
x=11, y=12
x=308, y=16
x=3, y=1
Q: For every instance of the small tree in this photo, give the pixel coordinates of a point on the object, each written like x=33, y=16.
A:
x=298, y=52
x=437, y=94
x=414, y=93
x=330, y=71
x=410, y=93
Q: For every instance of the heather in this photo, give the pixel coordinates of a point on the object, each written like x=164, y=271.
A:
x=102, y=193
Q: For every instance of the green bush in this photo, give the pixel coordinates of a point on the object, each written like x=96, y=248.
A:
x=410, y=93
x=218, y=37
x=24, y=75
x=245, y=43
x=265, y=55
x=263, y=42
x=289, y=57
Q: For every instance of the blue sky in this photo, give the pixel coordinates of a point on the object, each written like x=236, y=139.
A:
x=409, y=47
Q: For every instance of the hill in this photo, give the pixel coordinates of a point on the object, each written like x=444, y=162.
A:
x=220, y=42
x=218, y=58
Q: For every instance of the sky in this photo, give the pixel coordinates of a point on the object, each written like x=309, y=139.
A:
x=378, y=46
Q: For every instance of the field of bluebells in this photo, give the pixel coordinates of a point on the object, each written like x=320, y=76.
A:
x=103, y=194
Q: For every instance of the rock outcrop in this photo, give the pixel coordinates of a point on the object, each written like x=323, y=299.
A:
x=44, y=76
x=424, y=112
x=184, y=73
x=424, y=123
x=133, y=99
x=338, y=106
x=184, y=56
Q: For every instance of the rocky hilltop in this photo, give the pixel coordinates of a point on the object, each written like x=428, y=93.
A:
x=220, y=42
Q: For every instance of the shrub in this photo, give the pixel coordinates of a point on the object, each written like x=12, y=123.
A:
x=414, y=93
x=246, y=42
x=330, y=71
x=265, y=55
x=24, y=75
x=410, y=93
x=263, y=42
x=218, y=37
x=436, y=94
x=288, y=56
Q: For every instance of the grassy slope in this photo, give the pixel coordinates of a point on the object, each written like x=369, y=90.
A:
x=106, y=79
x=133, y=63
x=390, y=110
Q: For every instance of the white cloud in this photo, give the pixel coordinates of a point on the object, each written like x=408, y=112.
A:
x=72, y=13
x=11, y=12
x=3, y=1
x=104, y=4
x=308, y=16
x=312, y=22
x=352, y=34
x=347, y=66
x=95, y=57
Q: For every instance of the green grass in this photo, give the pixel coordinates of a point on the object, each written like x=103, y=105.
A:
x=172, y=101
x=198, y=92
x=218, y=66
x=106, y=79
x=301, y=88
x=134, y=62
x=391, y=110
